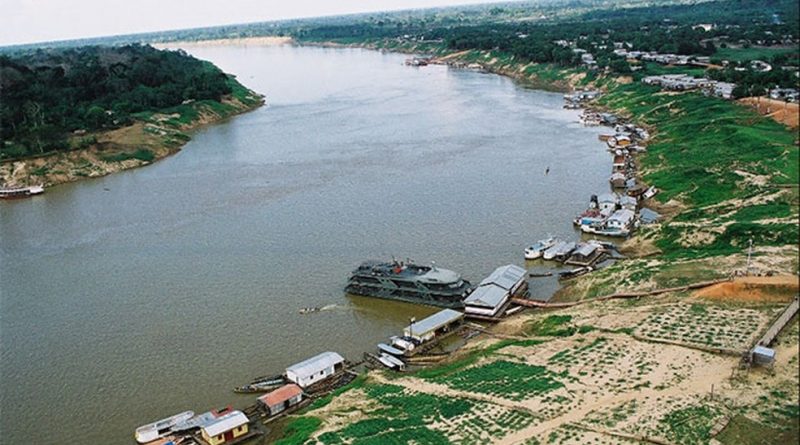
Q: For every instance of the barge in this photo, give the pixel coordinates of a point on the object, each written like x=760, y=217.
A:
x=21, y=192
x=409, y=282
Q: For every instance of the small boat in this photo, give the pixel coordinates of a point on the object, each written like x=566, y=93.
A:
x=309, y=310
x=390, y=350
x=391, y=362
x=261, y=384
x=161, y=428
x=559, y=251
x=574, y=273
x=21, y=192
x=536, y=250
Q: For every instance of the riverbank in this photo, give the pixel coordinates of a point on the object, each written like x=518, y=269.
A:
x=254, y=41
x=569, y=368
x=152, y=136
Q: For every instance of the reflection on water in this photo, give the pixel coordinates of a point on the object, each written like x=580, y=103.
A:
x=135, y=296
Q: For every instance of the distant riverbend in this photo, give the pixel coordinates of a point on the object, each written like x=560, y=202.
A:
x=157, y=290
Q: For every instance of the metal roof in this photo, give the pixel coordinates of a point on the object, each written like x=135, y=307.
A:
x=608, y=197
x=434, y=322
x=315, y=364
x=227, y=422
x=766, y=352
x=585, y=249
x=504, y=276
x=487, y=296
x=648, y=216
x=281, y=395
x=623, y=216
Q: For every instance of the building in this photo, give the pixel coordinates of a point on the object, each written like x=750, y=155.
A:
x=281, y=399
x=315, y=369
x=763, y=356
x=491, y=296
x=433, y=326
x=628, y=202
x=226, y=428
x=585, y=255
x=620, y=220
x=647, y=216
x=607, y=201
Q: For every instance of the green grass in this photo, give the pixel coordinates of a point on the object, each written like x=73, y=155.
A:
x=510, y=380
x=457, y=365
x=752, y=53
x=743, y=431
x=551, y=326
x=141, y=154
x=298, y=431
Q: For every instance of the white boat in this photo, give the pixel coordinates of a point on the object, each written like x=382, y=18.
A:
x=559, y=251
x=161, y=428
x=21, y=192
x=537, y=249
x=391, y=361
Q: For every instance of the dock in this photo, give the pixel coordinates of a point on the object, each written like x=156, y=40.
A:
x=779, y=323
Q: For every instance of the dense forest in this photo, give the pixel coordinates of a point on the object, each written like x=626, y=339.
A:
x=48, y=94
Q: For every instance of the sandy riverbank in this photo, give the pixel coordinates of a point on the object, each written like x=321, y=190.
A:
x=244, y=41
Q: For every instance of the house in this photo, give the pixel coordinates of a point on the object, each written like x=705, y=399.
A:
x=617, y=180
x=437, y=324
x=585, y=254
x=761, y=355
x=315, y=369
x=620, y=220
x=607, y=201
x=281, y=399
x=723, y=89
x=490, y=297
x=785, y=94
x=619, y=163
x=627, y=202
x=225, y=429
x=647, y=216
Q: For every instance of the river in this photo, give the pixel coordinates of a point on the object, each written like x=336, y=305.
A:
x=132, y=297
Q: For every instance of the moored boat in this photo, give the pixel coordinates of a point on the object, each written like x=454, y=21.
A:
x=261, y=384
x=406, y=281
x=559, y=251
x=537, y=249
x=21, y=192
x=161, y=428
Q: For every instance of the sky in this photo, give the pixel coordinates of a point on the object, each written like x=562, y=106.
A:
x=31, y=21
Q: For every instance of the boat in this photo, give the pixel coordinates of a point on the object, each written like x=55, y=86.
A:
x=409, y=282
x=567, y=275
x=21, y=192
x=559, y=251
x=536, y=250
x=391, y=362
x=161, y=428
x=309, y=310
x=261, y=384
x=389, y=349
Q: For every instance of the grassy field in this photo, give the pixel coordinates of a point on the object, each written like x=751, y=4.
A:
x=752, y=53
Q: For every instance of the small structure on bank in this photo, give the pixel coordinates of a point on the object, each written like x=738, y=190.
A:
x=225, y=429
x=491, y=297
x=315, y=369
x=436, y=325
x=281, y=399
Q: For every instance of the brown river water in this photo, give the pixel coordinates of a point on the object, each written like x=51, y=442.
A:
x=135, y=296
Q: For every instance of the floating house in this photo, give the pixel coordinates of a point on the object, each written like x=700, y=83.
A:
x=436, y=325
x=607, y=201
x=620, y=161
x=647, y=216
x=281, y=399
x=620, y=220
x=617, y=180
x=315, y=369
x=492, y=295
x=628, y=202
x=585, y=254
x=225, y=429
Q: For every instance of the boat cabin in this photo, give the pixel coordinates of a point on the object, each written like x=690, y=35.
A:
x=607, y=201
x=225, y=429
x=585, y=254
x=281, y=399
x=315, y=369
x=436, y=325
x=628, y=202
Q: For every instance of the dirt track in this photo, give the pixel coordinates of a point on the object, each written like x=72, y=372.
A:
x=753, y=289
x=783, y=112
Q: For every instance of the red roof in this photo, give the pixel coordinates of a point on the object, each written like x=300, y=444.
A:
x=281, y=395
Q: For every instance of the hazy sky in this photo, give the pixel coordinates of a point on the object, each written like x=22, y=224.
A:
x=28, y=21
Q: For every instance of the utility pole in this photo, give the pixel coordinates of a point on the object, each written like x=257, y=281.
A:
x=749, y=256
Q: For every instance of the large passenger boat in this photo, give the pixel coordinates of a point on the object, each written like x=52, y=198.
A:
x=20, y=192
x=406, y=281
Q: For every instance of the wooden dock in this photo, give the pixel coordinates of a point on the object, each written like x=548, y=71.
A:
x=779, y=323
